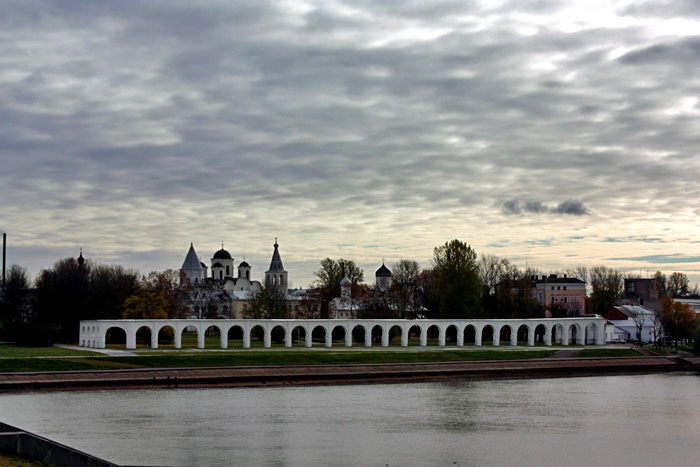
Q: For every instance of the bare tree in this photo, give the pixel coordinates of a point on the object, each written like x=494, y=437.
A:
x=640, y=321
x=404, y=285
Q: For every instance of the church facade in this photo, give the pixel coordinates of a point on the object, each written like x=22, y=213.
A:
x=227, y=282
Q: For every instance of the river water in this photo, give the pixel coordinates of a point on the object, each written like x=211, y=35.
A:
x=615, y=420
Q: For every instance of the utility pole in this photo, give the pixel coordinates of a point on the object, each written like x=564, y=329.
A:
x=4, y=254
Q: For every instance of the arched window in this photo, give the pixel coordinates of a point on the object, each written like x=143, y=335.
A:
x=227, y=271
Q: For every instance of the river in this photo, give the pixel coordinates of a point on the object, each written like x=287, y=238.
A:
x=615, y=420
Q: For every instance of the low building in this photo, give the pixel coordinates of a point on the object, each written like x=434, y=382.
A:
x=627, y=320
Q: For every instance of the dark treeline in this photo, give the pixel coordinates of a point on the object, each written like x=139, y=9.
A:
x=74, y=290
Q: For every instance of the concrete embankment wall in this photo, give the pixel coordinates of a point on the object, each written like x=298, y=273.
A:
x=28, y=445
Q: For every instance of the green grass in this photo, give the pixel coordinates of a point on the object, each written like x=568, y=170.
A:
x=12, y=350
x=287, y=357
x=8, y=460
x=608, y=353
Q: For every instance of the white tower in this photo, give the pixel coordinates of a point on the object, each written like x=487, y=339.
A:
x=276, y=275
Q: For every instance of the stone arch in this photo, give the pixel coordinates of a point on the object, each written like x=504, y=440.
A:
x=210, y=336
x=377, y=333
x=558, y=334
x=469, y=334
x=451, y=334
x=505, y=335
x=574, y=334
x=319, y=332
x=256, y=333
x=144, y=336
x=393, y=333
x=358, y=331
x=524, y=335
x=339, y=332
x=591, y=334
x=488, y=333
x=115, y=336
x=166, y=335
x=433, y=334
x=277, y=334
x=541, y=334
x=235, y=336
x=189, y=336
x=417, y=333
x=297, y=334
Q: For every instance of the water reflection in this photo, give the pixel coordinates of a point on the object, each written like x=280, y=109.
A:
x=578, y=421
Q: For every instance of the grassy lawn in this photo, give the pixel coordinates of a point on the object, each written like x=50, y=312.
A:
x=286, y=357
x=189, y=341
x=11, y=350
x=8, y=460
x=608, y=353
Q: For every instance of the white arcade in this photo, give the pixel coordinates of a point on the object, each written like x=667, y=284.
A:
x=588, y=330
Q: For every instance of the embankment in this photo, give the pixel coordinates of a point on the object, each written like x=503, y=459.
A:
x=251, y=376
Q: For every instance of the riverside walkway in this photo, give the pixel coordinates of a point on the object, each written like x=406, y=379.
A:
x=251, y=376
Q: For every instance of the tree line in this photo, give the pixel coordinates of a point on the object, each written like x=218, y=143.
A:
x=73, y=290
x=458, y=284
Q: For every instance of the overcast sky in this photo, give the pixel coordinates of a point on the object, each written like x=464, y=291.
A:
x=557, y=133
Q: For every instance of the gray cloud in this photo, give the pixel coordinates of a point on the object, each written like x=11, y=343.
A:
x=155, y=124
x=572, y=207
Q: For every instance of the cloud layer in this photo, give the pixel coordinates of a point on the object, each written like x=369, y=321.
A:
x=350, y=129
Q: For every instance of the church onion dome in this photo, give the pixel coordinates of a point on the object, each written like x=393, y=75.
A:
x=217, y=265
x=222, y=254
x=383, y=272
x=244, y=264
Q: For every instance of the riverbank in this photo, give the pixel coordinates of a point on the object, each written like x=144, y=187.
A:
x=284, y=375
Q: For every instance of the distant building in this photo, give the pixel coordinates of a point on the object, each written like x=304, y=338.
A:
x=641, y=292
x=625, y=318
x=693, y=301
x=568, y=292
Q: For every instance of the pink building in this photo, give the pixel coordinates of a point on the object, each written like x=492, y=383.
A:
x=568, y=292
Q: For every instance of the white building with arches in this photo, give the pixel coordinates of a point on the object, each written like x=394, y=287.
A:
x=589, y=330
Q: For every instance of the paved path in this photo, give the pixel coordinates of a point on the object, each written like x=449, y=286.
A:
x=340, y=374
x=110, y=352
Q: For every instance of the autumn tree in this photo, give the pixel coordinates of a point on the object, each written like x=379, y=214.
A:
x=146, y=305
x=457, y=283
x=166, y=283
x=678, y=318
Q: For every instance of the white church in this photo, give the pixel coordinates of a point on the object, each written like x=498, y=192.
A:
x=194, y=272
